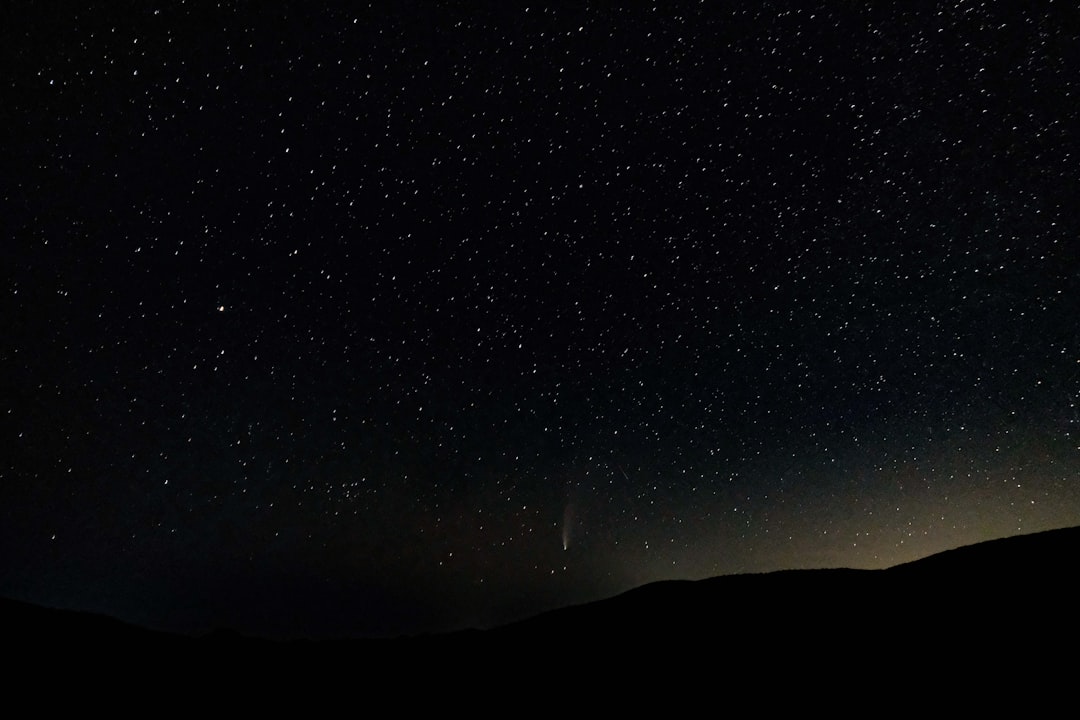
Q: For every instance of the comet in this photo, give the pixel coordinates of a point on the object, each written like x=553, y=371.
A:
x=567, y=525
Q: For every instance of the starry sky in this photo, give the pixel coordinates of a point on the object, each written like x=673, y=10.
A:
x=423, y=315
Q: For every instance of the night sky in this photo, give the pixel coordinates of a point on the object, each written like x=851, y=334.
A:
x=429, y=315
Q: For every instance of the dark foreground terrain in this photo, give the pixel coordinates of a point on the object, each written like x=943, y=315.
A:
x=993, y=620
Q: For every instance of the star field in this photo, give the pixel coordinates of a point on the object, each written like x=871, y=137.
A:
x=429, y=315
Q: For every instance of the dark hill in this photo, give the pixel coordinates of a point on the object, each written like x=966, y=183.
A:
x=1005, y=609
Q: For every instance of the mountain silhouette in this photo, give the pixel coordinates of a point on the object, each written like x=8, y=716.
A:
x=1005, y=609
